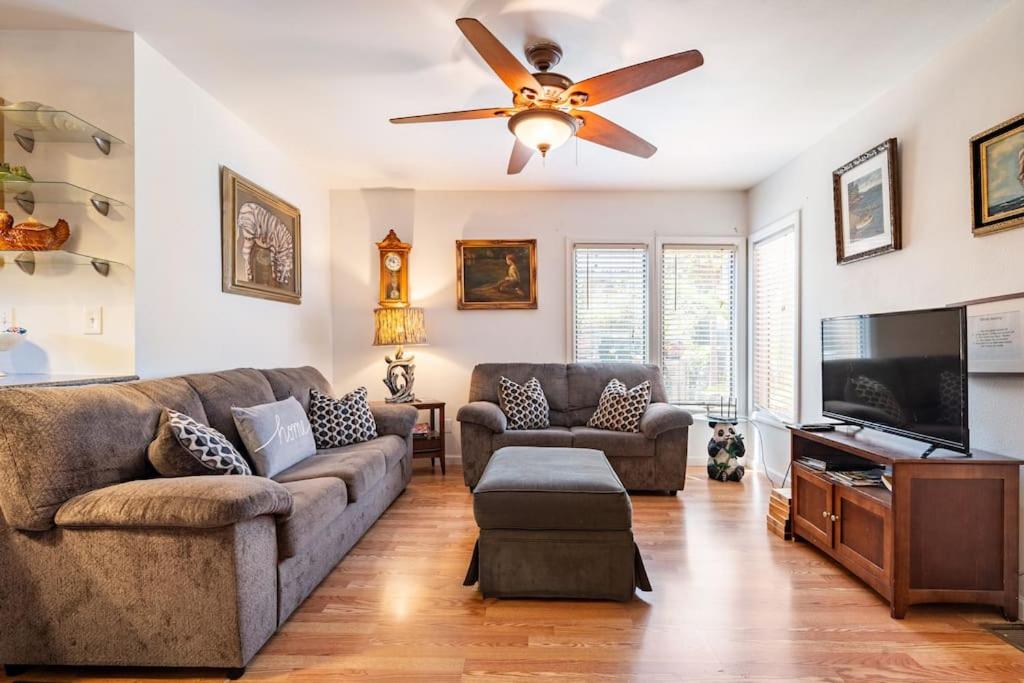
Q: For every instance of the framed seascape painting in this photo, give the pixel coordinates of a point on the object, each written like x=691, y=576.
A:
x=997, y=177
x=261, y=245
x=496, y=274
x=866, y=195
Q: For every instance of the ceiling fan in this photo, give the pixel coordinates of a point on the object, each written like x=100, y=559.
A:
x=545, y=109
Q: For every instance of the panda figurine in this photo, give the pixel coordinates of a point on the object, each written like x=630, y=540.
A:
x=724, y=451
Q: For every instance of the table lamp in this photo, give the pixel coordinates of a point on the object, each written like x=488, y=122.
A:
x=399, y=327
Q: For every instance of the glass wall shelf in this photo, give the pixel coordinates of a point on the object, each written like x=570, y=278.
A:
x=28, y=193
x=27, y=123
x=27, y=260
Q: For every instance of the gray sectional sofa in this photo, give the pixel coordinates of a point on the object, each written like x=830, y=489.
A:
x=652, y=460
x=102, y=562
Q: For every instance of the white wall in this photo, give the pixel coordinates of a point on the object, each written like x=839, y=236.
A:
x=432, y=221
x=89, y=74
x=970, y=87
x=184, y=322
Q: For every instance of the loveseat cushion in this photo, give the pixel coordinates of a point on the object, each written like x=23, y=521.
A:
x=484, y=381
x=316, y=505
x=189, y=502
x=614, y=444
x=360, y=466
x=552, y=436
x=551, y=489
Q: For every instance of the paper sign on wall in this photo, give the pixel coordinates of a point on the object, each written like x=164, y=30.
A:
x=995, y=337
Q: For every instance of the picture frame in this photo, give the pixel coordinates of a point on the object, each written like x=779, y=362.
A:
x=866, y=199
x=997, y=178
x=252, y=217
x=496, y=274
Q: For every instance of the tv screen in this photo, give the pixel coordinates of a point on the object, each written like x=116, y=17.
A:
x=904, y=373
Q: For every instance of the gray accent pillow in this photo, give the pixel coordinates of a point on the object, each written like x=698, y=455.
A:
x=276, y=435
x=184, y=447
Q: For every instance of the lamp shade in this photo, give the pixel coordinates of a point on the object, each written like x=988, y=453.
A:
x=398, y=327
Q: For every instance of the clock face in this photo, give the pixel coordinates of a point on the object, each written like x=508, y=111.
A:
x=393, y=262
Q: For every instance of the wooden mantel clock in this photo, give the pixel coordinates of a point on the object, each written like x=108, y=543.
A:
x=394, y=271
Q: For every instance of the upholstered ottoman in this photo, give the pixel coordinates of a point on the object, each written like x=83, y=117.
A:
x=554, y=523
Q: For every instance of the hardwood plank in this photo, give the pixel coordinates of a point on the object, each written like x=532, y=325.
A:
x=731, y=603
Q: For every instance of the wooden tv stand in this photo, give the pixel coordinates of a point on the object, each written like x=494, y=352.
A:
x=946, y=533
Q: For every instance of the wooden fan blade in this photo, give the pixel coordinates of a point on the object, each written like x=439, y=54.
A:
x=509, y=69
x=466, y=115
x=521, y=155
x=631, y=78
x=601, y=131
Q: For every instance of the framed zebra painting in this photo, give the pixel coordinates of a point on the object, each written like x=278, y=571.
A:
x=261, y=250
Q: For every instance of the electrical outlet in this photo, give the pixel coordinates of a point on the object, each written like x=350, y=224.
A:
x=93, y=320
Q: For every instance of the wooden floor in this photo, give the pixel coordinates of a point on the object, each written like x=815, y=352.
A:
x=730, y=603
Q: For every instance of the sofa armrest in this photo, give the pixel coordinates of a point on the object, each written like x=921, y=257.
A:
x=202, y=502
x=485, y=414
x=394, y=418
x=663, y=417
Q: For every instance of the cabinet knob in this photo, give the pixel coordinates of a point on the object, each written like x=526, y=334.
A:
x=824, y=513
x=834, y=518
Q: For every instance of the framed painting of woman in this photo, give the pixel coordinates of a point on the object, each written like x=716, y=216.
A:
x=496, y=274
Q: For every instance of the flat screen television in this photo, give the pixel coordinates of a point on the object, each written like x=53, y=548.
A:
x=903, y=373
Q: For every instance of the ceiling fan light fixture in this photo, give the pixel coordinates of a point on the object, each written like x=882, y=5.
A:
x=543, y=129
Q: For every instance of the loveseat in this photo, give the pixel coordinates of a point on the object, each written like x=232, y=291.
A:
x=654, y=459
x=102, y=562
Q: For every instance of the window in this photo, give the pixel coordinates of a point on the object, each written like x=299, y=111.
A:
x=698, y=322
x=610, y=303
x=774, y=319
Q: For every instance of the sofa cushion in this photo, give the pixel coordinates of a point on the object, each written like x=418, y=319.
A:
x=57, y=443
x=186, y=448
x=341, y=421
x=552, y=436
x=296, y=382
x=613, y=444
x=276, y=435
x=551, y=489
x=316, y=505
x=552, y=376
x=189, y=502
x=360, y=466
x=222, y=391
x=586, y=382
x=524, y=405
x=621, y=408
x=174, y=393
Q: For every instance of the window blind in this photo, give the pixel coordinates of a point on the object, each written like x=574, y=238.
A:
x=774, y=317
x=610, y=303
x=698, y=322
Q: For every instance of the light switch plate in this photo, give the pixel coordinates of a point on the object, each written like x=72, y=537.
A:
x=92, y=320
x=448, y=425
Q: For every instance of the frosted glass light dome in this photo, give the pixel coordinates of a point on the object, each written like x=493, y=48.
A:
x=542, y=129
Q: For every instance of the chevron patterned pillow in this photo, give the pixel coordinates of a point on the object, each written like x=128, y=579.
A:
x=524, y=405
x=620, y=409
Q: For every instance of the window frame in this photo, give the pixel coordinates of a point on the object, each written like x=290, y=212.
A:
x=765, y=233
x=570, y=289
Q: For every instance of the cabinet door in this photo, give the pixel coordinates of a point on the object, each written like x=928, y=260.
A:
x=812, y=507
x=862, y=534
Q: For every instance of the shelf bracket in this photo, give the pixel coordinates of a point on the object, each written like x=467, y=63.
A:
x=26, y=200
x=26, y=260
x=25, y=138
x=100, y=204
x=102, y=144
x=101, y=267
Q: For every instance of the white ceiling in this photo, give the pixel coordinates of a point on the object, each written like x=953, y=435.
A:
x=324, y=76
